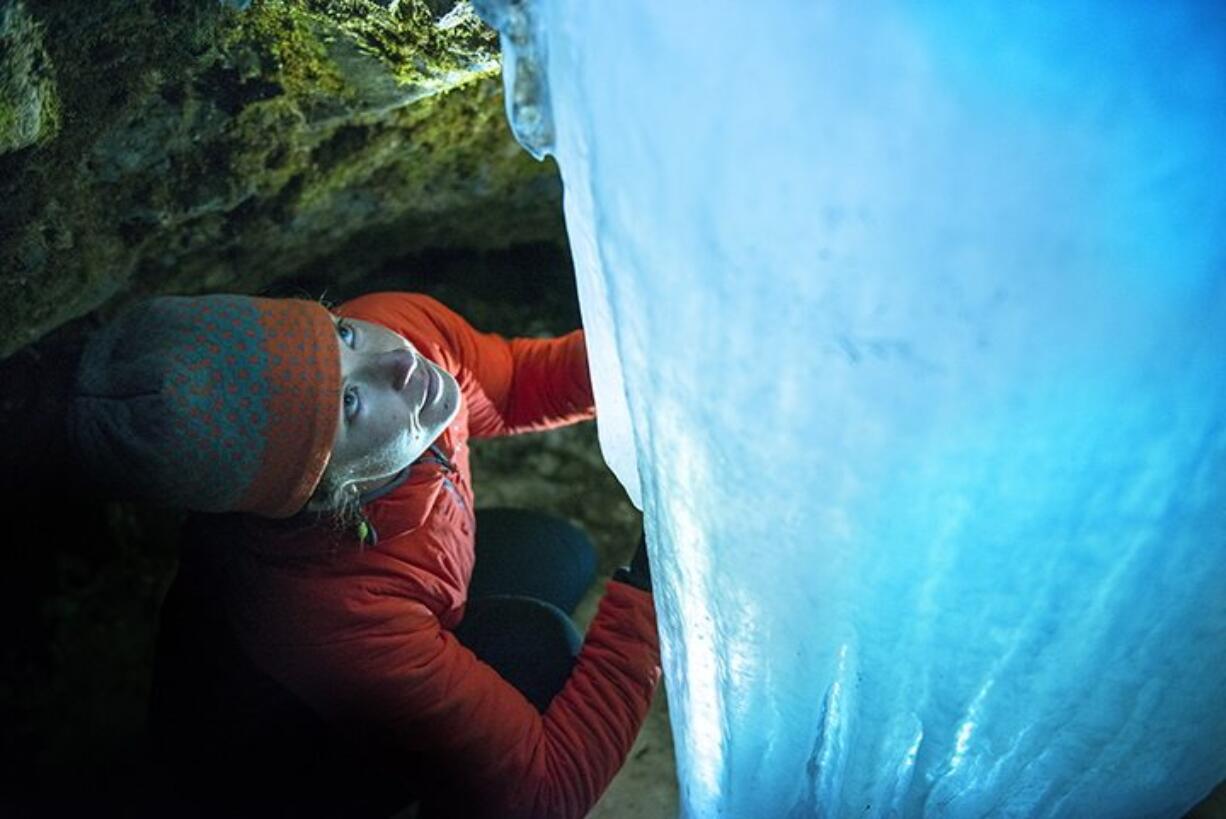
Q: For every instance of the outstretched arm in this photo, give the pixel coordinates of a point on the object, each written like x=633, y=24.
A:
x=403, y=684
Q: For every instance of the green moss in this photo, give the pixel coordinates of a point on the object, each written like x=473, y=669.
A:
x=277, y=39
x=29, y=104
x=341, y=47
x=8, y=122
x=408, y=39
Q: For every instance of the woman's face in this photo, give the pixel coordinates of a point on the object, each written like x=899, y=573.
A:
x=394, y=403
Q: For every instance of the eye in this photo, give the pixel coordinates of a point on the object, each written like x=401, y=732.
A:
x=352, y=402
x=346, y=332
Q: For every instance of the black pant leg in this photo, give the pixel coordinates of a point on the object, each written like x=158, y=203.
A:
x=531, y=554
x=530, y=643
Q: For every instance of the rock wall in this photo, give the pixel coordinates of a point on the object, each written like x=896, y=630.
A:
x=182, y=146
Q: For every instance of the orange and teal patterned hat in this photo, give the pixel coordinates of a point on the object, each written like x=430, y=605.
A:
x=212, y=403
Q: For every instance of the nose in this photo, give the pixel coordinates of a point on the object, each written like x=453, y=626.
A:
x=397, y=366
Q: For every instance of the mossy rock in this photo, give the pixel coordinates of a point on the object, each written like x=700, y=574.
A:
x=187, y=146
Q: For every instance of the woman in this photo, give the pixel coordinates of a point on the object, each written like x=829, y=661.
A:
x=318, y=654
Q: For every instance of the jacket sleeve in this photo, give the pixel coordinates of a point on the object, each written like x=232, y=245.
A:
x=407, y=684
x=510, y=385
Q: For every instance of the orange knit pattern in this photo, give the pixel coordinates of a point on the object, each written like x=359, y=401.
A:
x=302, y=407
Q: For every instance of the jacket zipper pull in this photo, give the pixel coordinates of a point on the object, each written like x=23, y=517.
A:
x=365, y=531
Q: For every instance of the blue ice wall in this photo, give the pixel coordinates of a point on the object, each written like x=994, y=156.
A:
x=908, y=328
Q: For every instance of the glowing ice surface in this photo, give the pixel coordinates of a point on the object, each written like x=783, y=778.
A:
x=909, y=323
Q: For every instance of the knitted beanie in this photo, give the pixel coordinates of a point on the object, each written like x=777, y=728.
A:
x=212, y=403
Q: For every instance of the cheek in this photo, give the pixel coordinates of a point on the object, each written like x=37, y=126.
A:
x=376, y=428
x=393, y=419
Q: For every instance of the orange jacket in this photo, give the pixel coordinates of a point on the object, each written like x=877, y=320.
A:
x=364, y=636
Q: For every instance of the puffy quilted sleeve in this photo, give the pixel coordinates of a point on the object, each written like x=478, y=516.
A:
x=403, y=683
x=510, y=385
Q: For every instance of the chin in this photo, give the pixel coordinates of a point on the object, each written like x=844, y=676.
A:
x=443, y=413
x=449, y=406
